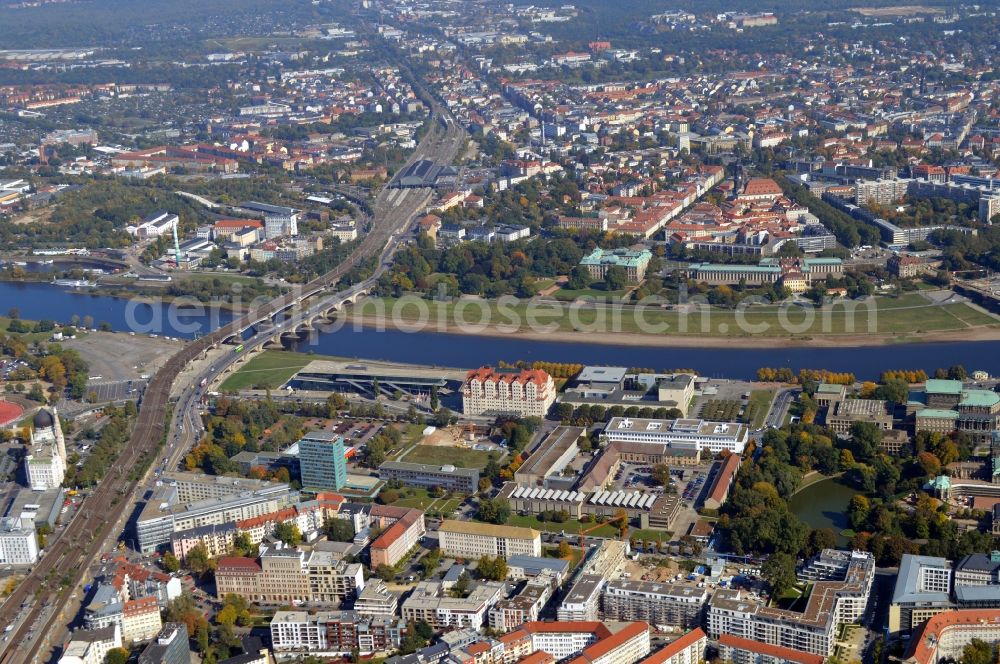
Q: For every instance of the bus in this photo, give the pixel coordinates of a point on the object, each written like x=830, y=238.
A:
x=238, y=349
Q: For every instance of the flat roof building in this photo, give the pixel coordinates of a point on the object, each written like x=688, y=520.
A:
x=682, y=433
x=471, y=539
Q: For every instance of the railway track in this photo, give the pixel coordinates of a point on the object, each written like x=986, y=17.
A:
x=66, y=561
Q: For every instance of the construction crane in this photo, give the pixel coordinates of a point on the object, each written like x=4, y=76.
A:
x=585, y=532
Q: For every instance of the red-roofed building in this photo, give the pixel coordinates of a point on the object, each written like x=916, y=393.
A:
x=946, y=634
x=225, y=228
x=689, y=649
x=402, y=534
x=140, y=619
x=723, y=482
x=520, y=392
x=744, y=651
x=759, y=189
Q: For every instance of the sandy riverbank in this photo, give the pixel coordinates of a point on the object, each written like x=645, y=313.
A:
x=698, y=341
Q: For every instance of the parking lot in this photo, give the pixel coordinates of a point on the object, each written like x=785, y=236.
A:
x=117, y=390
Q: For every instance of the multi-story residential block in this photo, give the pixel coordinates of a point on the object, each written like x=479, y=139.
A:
x=403, y=529
x=677, y=605
x=448, y=477
x=182, y=503
x=833, y=601
x=471, y=539
x=283, y=575
x=216, y=539
x=683, y=433
x=332, y=633
x=739, y=650
x=688, y=649
x=91, y=646
x=525, y=606
x=583, y=600
x=169, y=647
x=322, y=462
x=375, y=599
x=520, y=392
x=431, y=602
x=140, y=619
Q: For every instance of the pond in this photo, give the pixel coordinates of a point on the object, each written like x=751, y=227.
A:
x=824, y=505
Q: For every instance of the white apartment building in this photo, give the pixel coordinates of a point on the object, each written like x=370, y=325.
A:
x=431, y=602
x=689, y=649
x=18, y=542
x=141, y=619
x=520, y=392
x=471, y=539
x=583, y=599
x=91, y=646
x=813, y=630
x=681, y=433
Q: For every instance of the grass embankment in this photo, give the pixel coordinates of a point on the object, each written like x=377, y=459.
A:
x=267, y=370
x=909, y=314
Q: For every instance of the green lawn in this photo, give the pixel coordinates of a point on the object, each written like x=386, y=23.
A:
x=269, y=370
x=649, y=535
x=462, y=457
x=421, y=499
x=574, y=557
x=904, y=315
x=569, y=294
x=760, y=403
x=571, y=526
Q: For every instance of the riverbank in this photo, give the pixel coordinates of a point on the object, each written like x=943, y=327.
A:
x=693, y=340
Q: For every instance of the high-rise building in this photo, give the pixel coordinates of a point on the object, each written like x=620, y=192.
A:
x=46, y=459
x=322, y=462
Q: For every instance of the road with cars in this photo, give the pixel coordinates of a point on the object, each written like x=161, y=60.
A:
x=163, y=429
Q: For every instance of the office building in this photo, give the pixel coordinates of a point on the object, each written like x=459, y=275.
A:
x=927, y=586
x=18, y=541
x=677, y=605
x=844, y=413
x=944, y=636
x=140, y=619
x=682, y=433
x=517, y=392
x=169, y=510
x=471, y=539
x=322, y=462
x=448, y=477
x=634, y=263
x=402, y=530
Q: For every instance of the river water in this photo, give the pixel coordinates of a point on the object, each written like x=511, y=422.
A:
x=45, y=301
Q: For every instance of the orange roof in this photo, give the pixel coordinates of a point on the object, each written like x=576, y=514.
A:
x=616, y=640
x=477, y=647
x=761, y=186
x=923, y=645
x=778, y=652
x=237, y=564
x=674, y=647
x=538, y=657
x=725, y=477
